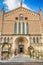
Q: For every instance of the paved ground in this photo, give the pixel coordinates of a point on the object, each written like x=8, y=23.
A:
x=22, y=63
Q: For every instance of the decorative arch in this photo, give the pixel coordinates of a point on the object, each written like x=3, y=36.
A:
x=6, y=50
x=21, y=43
x=21, y=39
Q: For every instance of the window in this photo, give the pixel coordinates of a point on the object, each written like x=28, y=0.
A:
x=27, y=28
x=1, y=39
x=8, y=39
x=5, y=39
x=37, y=39
x=23, y=28
x=16, y=18
x=15, y=28
x=34, y=39
x=21, y=18
x=19, y=27
x=26, y=18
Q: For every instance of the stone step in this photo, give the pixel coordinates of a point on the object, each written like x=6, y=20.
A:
x=21, y=58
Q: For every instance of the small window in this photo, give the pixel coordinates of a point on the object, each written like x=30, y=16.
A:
x=15, y=28
x=16, y=18
x=21, y=17
x=26, y=18
x=19, y=27
x=1, y=39
x=33, y=39
x=23, y=29
x=5, y=39
x=27, y=30
x=8, y=39
x=37, y=39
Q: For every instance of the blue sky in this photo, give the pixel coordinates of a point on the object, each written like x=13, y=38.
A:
x=30, y=4
x=34, y=4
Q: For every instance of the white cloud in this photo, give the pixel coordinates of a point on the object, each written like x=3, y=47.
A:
x=24, y=5
x=12, y=4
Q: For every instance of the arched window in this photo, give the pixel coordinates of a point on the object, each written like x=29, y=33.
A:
x=27, y=30
x=8, y=39
x=23, y=28
x=1, y=39
x=21, y=18
x=5, y=39
x=37, y=40
x=19, y=27
x=33, y=39
x=15, y=28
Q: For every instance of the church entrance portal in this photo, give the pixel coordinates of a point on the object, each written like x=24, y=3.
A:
x=21, y=44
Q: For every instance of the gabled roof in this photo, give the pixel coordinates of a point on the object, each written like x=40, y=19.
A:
x=21, y=8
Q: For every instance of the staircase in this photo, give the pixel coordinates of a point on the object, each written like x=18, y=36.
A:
x=22, y=58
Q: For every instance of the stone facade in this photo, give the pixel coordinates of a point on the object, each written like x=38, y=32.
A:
x=26, y=39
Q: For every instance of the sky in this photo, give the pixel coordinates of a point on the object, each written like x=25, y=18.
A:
x=9, y=5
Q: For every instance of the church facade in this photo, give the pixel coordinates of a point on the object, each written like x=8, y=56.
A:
x=21, y=32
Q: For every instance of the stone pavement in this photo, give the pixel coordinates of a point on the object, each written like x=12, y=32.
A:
x=21, y=63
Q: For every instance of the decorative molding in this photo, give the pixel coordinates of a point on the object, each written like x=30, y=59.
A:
x=21, y=34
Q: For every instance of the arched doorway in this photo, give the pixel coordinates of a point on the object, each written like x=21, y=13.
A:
x=21, y=45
